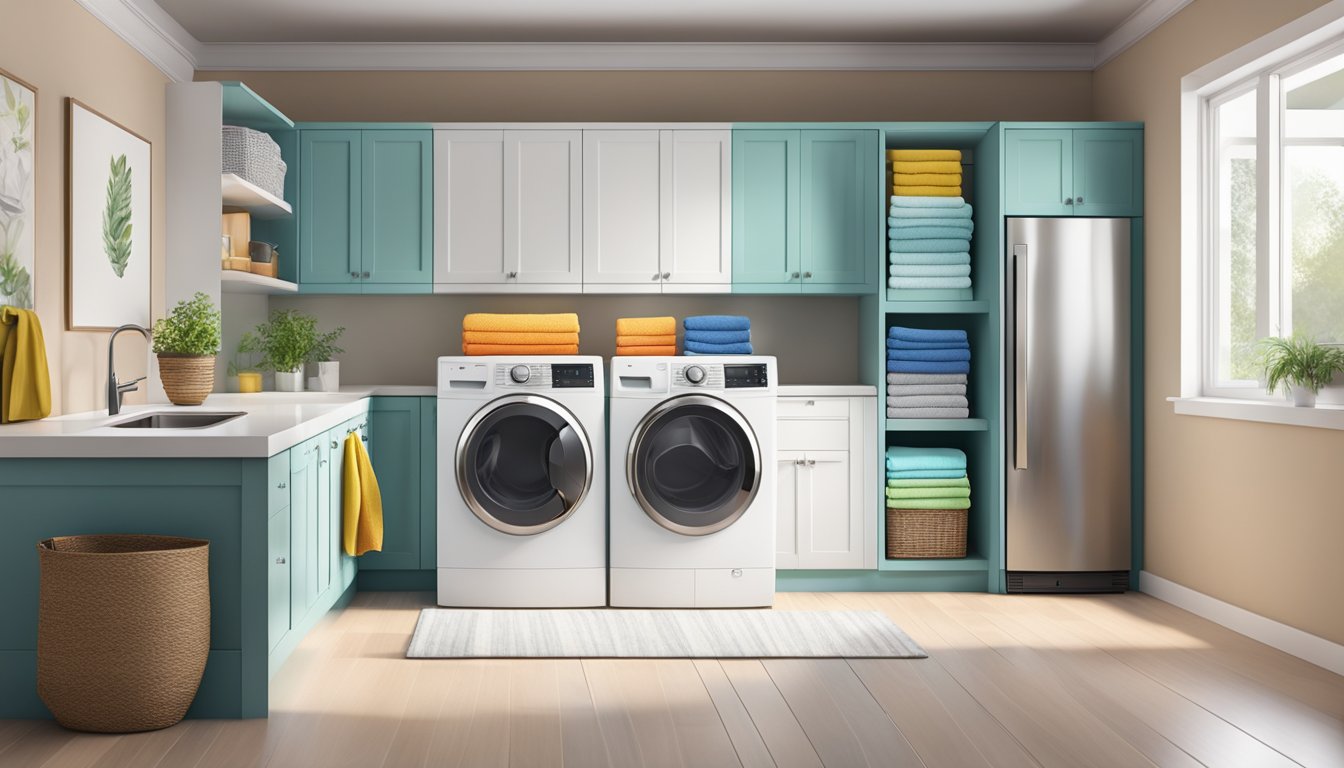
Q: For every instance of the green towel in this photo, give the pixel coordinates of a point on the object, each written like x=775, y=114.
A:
x=928, y=503
x=929, y=493
x=960, y=482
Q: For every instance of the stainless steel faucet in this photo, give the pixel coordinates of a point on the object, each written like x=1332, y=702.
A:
x=115, y=390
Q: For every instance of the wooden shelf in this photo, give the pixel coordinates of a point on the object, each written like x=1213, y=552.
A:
x=240, y=193
x=937, y=425
x=233, y=281
x=958, y=564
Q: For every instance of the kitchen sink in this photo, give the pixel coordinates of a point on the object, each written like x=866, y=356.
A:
x=176, y=420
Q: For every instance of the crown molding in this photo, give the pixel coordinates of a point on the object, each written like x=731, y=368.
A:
x=1140, y=23
x=149, y=29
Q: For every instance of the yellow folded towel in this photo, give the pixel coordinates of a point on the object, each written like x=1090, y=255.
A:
x=664, y=350
x=361, y=502
x=926, y=179
x=646, y=341
x=926, y=191
x=518, y=337
x=922, y=155
x=520, y=349
x=562, y=323
x=25, y=382
x=646, y=326
x=926, y=166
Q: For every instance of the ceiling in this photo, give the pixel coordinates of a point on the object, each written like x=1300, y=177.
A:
x=398, y=21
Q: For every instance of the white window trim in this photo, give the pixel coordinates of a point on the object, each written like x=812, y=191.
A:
x=1306, y=37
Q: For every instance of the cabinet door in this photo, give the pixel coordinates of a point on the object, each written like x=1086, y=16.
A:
x=429, y=483
x=830, y=533
x=839, y=206
x=765, y=207
x=786, y=508
x=398, y=192
x=330, y=202
x=469, y=207
x=1108, y=173
x=394, y=449
x=621, y=210
x=696, y=249
x=343, y=566
x=304, y=497
x=323, y=554
x=543, y=214
x=277, y=578
x=1038, y=172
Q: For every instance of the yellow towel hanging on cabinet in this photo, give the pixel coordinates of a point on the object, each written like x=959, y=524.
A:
x=361, y=502
x=25, y=382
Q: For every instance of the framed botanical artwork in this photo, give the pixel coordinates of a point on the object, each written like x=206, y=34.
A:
x=108, y=231
x=18, y=221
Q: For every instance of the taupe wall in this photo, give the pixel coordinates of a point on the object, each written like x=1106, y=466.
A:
x=1248, y=513
x=63, y=51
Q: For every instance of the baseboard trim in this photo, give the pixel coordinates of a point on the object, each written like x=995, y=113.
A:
x=1291, y=640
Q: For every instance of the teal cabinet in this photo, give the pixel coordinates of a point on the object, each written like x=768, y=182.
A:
x=343, y=566
x=330, y=210
x=766, y=190
x=429, y=485
x=398, y=208
x=308, y=489
x=1038, y=173
x=1064, y=172
x=1108, y=172
x=396, y=453
x=277, y=578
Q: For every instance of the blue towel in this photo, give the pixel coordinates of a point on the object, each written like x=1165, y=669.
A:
x=901, y=201
x=925, y=233
x=926, y=474
x=930, y=258
x=719, y=337
x=947, y=245
x=928, y=283
x=927, y=335
x=928, y=355
x=955, y=214
x=901, y=344
x=903, y=222
x=717, y=323
x=718, y=349
x=905, y=459
x=929, y=270
x=919, y=366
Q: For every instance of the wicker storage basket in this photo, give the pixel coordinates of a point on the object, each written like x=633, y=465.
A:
x=123, y=629
x=255, y=157
x=187, y=379
x=926, y=533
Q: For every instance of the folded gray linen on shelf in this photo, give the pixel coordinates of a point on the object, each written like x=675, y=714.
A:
x=928, y=413
x=928, y=401
x=906, y=390
x=926, y=378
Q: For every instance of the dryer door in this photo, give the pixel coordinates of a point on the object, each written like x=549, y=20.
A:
x=524, y=464
x=694, y=465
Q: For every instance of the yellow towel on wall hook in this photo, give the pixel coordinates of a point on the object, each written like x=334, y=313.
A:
x=361, y=502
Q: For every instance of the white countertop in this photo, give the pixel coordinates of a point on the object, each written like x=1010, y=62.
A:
x=826, y=390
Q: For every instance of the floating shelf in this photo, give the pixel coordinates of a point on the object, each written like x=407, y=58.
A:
x=240, y=193
x=937, y=425
x=242, y=106
x=233, y=281
x=973, y=307
x=959, y=564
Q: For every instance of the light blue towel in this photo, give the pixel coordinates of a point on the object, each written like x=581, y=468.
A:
x=905, y=459
x=924, y=233
x=929, y=270
x=920, y=366
x=928, y=283
x=898, y=221
x=928, y=355
x=717, y=323
x=901, y=201
x=925, y=378
x=718, y=337
x=957, y=214
x=896, y=257
x=947, y=245
x=718, y=349
x=902, y=344
x=928, y=335
x=926, y=474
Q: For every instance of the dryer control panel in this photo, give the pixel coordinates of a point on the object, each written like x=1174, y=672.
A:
x=545, y=375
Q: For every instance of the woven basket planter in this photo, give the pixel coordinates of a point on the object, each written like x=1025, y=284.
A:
x=123, y=629
x=187, y=379
x=926, y=533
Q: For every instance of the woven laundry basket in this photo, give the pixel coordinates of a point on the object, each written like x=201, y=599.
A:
x=255, y=157
x=123, y=629
x=926, y=533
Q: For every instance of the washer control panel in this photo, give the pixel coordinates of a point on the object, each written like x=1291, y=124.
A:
x=700, y=375
x=572, y=376
x=545, y=375
x=742, y=376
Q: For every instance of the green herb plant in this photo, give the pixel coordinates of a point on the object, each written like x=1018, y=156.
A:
x=192, y=328
x=287, y=340
x=248, y=346
x=117, y=216
x=1299, y=362
x=325, y=349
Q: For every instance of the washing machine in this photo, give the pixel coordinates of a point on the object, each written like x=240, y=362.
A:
x=522, y=503
x=692, y=497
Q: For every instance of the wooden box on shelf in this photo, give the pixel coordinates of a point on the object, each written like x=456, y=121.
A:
x=238, y=226
x=264, y=268
x=237, y=264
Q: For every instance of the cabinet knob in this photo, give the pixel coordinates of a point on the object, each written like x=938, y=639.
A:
x=364, y=275
x=810, y=402
x=811, y=462
x=667, y=275
x=279, y=561
x=365, y=438
x=793, y=276
x=335, y=444
x=798, y=462
x=657, y=276
x=511, y=275
x=1079, y=201
x=1068, y=201
x=355, y=275
x=322, y=463
x=282, y=485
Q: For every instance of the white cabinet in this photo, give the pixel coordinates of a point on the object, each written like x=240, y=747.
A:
x=657, y=211
x=507, y=211
x=827, y=508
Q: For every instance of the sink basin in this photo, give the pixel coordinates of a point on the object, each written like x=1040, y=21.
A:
x=176, y=420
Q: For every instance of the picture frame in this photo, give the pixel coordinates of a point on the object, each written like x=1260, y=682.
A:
x=18, y=191
x=108, y=222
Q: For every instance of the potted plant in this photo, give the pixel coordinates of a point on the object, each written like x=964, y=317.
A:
x=1302, y=364
x=328, y=370
x=186, y=342
x=243, y=375
x=286, y=342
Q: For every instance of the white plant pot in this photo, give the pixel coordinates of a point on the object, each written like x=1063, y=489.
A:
x=289, y=381
x=329, y=376
x=1304, y=397
x=231, y=384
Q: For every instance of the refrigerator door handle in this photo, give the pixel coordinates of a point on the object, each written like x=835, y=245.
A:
x=1020, y=299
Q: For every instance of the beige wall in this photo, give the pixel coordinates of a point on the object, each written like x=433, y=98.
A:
x=59, y=48
x=1248, y=513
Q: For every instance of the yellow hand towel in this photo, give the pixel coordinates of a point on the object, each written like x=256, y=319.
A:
x=520, y=349
x=926, y=166
x=668, y=350
x=646, y=341
x=646, y=326
x=901, y=191
x=562, y=323
x=361, y=502
x=518, y=337
x=926, y=179
x=25, y=382
x=923, y=155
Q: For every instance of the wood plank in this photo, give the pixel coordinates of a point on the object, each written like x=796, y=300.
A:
x=632, y=686
x=448, y=742
x=47, y=739
x=613, y=717
x=747, y=742
x=783, y=735
x=534, y=713
x=700, y=731
x=580, y=734
x=434, y=681
x=487, y=742
x=915, y=709
x=192, y=746
x=135, y=750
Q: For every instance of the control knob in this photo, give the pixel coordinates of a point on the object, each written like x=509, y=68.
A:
x=520, y=374
x=695, y=374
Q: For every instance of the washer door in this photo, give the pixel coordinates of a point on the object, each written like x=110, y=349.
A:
x=524, y=464
x=694, y=465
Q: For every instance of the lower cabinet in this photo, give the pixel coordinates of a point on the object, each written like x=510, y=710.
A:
x=395, y=434
x=277, y=578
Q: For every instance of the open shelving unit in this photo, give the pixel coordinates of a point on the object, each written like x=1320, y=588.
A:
x=233, y=281
x=238, y=192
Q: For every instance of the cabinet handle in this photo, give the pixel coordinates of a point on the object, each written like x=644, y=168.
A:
x=511, y=275
x=365, y=438
x=1068, y=201
x=667, y=275
x=322, y=463
x=793, y=276
x=806, y=275
x=1079, y=201
x=279, y=561
x=281, y=486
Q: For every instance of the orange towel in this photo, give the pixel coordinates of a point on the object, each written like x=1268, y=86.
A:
x=562, y=323
x=520, y=349
x=926, y=179
x=902, y=191
x=646, y=341
x=923, y=155
x=669, y=350
x=518, y=337
x=646, y=326
x=926, y=166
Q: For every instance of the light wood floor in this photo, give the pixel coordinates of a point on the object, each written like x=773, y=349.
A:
x=1011, y=681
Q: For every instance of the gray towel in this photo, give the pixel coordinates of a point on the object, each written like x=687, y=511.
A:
x=926, y=378
x=928, y=401
x=906, y=390
x=928, y=413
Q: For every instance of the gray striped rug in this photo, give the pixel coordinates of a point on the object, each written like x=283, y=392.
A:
x=612, y=633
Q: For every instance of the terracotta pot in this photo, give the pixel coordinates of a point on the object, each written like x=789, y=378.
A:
x=187, y=379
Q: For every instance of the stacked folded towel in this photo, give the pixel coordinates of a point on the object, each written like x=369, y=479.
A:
x=927, y=478
x=929, y=241
x=926, y=374
x=717, y=335
x=485, y=334
x=925, y=172
x=650, y=336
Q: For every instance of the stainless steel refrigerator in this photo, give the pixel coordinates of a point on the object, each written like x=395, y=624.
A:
x=1067, y=420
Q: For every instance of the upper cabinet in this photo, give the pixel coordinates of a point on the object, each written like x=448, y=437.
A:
x=1078, y=172
x=806, y=205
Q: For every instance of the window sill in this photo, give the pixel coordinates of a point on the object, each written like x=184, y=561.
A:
x=1267, y=411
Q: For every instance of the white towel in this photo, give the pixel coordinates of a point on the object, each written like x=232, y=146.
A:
x=907, y=390
x=928, y=413
x=926, y=378
x=928, y=401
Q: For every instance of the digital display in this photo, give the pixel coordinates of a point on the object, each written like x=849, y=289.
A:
x=572, y=376
x=741, y=376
